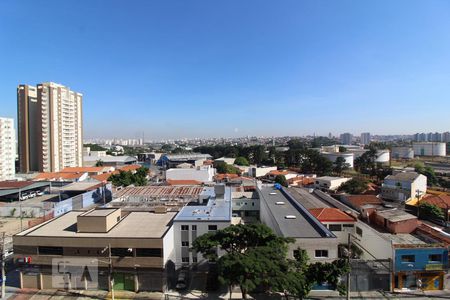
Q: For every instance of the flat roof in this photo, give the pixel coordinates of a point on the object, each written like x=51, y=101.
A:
x=215, y=210
x=160, y=191
x=304, y=225
x=100, y=212
x=133, y=225
x=81, y=186
x=307, y=199
x=404, y=239
x=395, y=215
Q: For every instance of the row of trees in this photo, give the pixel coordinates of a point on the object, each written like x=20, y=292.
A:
x=127, y=178
x=256, y=258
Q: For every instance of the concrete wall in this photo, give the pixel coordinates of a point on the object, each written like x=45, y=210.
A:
x=372, y=242
x=201, y=174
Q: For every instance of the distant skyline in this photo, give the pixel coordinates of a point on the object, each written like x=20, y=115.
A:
x=198, y=68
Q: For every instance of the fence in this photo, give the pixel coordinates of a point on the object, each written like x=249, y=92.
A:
x=40, y=220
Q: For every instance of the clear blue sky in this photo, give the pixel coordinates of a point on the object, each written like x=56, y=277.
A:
x=234, y=68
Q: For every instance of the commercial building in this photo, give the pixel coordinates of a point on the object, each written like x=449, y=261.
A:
x=404, y=186
x=346, y=138
x=7, y=149
x=50, y=131
x=172, y=160
x=365, y=138
x=211, y=213
x=288, y=218
x=329, y=182
x=429, y=149
x=203, y=174
x=337, y=221
x=140, y=243
x=109, y=160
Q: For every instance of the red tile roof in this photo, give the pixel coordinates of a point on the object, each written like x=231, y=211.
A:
x=329, y=214
x=57, y=175
x=104, y=177
x=82, y=169
x=183, y=182
x=442, y=201
x=229, y=176
x=359, y=200
x=4, y=185
x=130, y=168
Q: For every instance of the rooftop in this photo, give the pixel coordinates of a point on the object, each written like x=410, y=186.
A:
x=81, y=186
x=111, y=159
x=160, y=191
x=84, y=169
x=330, y=178
x=188, y=156
x=217, y=209
x=395, y=215
x=403, y=239
x=331, y=214
x=403, y=176
x=301, y=224
x=57, y=176
x=133, y=225
x=359, y=200
x=183, y=182
x=99, y=212
x=442, y=201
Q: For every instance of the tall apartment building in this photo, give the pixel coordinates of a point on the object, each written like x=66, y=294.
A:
x=49, y=127
x=346, y=138
x=365, y=138
x=7, y=149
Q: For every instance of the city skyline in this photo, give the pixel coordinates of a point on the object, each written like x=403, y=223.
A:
x=196, y=69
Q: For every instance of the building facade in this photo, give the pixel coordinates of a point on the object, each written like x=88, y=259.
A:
x=430, y=149
x=7, y=149
x=365, y=138
x=346, y=138
x=404, y=186
x=50, y=129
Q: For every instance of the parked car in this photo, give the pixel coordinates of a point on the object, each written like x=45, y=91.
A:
x=40, y=193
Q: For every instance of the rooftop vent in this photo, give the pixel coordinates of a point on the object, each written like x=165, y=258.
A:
x=290, y=217
x=279, y=203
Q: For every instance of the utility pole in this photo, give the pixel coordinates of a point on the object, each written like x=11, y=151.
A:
x=349, y=253
x=3, y=265
x=104, y=196
x=111, y=277
x=20, y=210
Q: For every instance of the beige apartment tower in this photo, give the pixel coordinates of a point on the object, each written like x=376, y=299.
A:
x=50, y=132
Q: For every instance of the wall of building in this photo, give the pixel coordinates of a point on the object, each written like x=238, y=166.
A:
x=421, y=259
x=429, y=149
x=8, y=149
x=374, y=244
x=203, y=174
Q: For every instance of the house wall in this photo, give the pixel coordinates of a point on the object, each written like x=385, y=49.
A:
x=313, y=244
x=422, y=261
x=372, y=242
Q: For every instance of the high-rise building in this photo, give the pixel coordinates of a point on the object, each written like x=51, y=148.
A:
x=49, y=127
x=346, y=138
x=365, y=138
x=7, y=149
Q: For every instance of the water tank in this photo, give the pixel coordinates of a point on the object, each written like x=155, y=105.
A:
x=402, y=153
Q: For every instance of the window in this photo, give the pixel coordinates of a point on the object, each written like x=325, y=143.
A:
x=194, y=259
x=121, y=252
x=184, y=227
x=348, y=225
x=185, y=244
x=335, y=227
x=321, y=253
x=408, y=258
x=50, y=250
x=185, y=259
x=194, y=227
x=358, y=231
x=435, y=258
x=212, y=227
x=149, y=252
x=118, y=218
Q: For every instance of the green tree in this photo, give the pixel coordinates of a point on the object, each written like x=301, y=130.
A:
x=281, y=179
x=428, y=171
x=224, y=168
x=354, y=186
x=340, y=164
x=139, y=178
x=99, y=163
x=342, y=149
x=241, y=161
x=311, y=161
x=95, y=147
x=430, y=211
x=253, y=255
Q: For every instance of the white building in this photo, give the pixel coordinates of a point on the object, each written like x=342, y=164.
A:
x=404, y=186
x=227, y=160
x=365, y=138
x=203, y=174
x=50, y=128
x=429, y=149
x=7, y=149
x=329, y=182
x=255, y=171
x=211, y=214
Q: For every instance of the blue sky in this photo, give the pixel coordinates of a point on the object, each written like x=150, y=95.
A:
x=208, y=68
